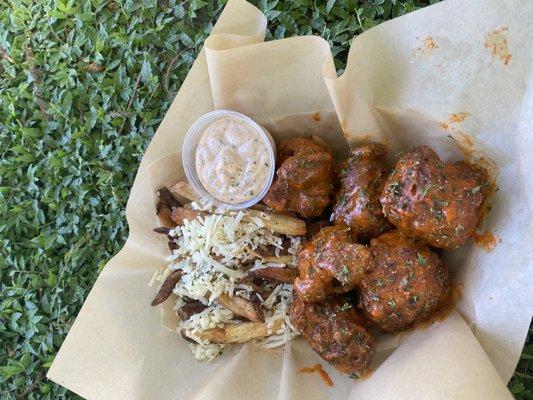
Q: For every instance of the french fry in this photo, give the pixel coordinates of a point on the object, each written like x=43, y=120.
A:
x=277, y=222
x=280, y=275
x=167, y=287
x=166, y=197
x=180, y=214
x=191, y=308
x=237, y=333
x=183, y=189
x=166, y=203
x=242, y=307
x=165, y=215
x=285, y=259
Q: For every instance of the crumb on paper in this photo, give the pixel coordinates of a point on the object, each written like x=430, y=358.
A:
x=486, y=240
x=496, y=43
x=430, y=43
x=426, y=47
x=316, y=117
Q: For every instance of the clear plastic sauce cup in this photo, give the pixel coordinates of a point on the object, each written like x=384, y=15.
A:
x=190, y=146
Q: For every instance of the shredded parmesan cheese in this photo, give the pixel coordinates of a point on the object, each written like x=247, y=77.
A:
x=214, y=252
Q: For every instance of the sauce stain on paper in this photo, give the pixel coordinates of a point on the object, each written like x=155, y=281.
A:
x=496, y=43
x=323, y=374
x=453, y=125
x=486, y=240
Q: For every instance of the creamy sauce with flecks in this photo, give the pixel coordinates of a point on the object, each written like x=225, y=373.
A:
x=232, y=160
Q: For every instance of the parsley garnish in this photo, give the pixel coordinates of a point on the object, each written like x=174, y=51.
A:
x=421, y=259
x=394, y=187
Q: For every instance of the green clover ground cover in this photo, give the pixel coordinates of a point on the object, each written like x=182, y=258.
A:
x=83, y=87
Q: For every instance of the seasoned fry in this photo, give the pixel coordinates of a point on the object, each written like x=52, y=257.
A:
x=191, y=308
x=264, y=292
x=167, y=198
x=263, y=255
x=165, y=215
x=167, y=202
x=242, y=307
x=180, y=214
x=285, y=259
x=280, y=275
x=183, y=189
x=277, y=222
x=238, y=333
x=167, y=287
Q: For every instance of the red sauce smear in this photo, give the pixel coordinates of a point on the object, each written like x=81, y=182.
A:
x=323, y=374
x=496, y=43
x=458, y=117
x=487, y=240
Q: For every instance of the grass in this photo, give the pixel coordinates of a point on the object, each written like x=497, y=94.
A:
x=83, y=87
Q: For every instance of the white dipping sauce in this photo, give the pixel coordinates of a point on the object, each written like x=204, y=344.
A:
x=232, y=160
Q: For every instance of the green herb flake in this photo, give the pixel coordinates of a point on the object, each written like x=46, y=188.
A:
x=395, y=188
x=424, y=191
x=421, y=259
x=439, y=215
x=346, y=306
x=476, y=189
x=345, y=273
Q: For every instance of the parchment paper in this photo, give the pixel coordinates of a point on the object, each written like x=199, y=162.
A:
x=398, y=87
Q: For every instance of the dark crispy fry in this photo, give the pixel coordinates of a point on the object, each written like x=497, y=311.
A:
x=281, y=275
x=180, y=214
x=183, y=333
x=167, y=198
x=191, y=308
x=167, y=287
x=239, y=306
x=260, y=290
